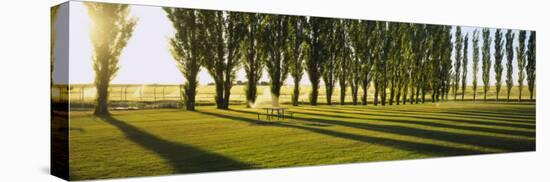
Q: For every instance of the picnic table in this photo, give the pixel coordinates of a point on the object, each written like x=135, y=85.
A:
x=271, y=112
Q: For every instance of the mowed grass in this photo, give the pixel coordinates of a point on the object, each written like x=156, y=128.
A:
x=160, y=142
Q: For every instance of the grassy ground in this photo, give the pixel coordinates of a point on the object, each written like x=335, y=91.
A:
x=158, y=142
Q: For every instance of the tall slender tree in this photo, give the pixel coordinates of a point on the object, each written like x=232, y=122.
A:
x=251, y=60
x=367, y=53
x=222, y=39
x=406, y=66
x=360, y=36
x=111, y=29
x=447, y=61
x=394, y=59
x=499, y=53
x=486, y=61
x=531, y=63
x=274, y=39
x=464, y=65
x=475, y=60
x=332, y=50
x=420, y=42
x=296, y=50
x=458, y=58
x=510, y=58
x=381, y=64
x=314, y=62
x=520, y=53
x=344, y=60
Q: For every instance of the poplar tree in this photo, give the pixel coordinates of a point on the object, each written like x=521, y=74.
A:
x=332, y=50
x=464, y=65
x=458, y=58
x=486, y=61
x=222, y=35
x=274, y=40
x=111, y=29
x=531, y=63
x=296, y=50
x=520, y=53
x=510, y=58
x=252, y=55
x=475, y=60
x=314, y=63
x=499, y=42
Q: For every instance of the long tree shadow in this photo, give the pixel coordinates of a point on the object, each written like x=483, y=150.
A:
x=513, y=121
x=513, y=113
x=507, y=144
x=403, y=119
x=183, y=158
x=423, y=148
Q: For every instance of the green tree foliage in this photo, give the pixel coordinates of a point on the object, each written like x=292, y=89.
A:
x=380, y=66
x=314, y=62
x=222, y=34
x=464, y=65
x=361, y=55
x=486, y=61
x=499, y=53
x=368, y=55
x=458, y=58
x=111, y=29
x=475, y=60
x=252, y=55
x=344, y=59
x=439, y=61
x=510, y=58
x=274, y=39
x=296, y=49
x=419, y=75
x=520, y=53
x=447, y=73
x=394, y=59
x=531, y=63
x=186, y=48
x=333, y=50
x=407, y=58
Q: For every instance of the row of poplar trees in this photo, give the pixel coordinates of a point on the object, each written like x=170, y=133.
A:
x=404, y=62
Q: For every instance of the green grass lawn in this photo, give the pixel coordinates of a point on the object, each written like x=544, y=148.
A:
x=159, y=142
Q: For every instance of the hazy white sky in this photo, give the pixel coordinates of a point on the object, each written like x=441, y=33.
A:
x=147, y=59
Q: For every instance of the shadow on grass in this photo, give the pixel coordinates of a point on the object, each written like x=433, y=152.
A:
x=507, y=144
x=183, y=158
x=423, y=148
x=522, y=117
x=433, y=122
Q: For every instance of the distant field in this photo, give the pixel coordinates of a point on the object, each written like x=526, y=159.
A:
x=168, y=141
x=205, y=94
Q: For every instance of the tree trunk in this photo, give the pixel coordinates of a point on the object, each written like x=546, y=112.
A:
x=342, y=92
x=251, y=90
x=296, y=92
x=329, y=96
x=102, y=105
x=227, y=89
x=365, y=92
x=314, y=93
x=219, y=93
x=375, y=94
